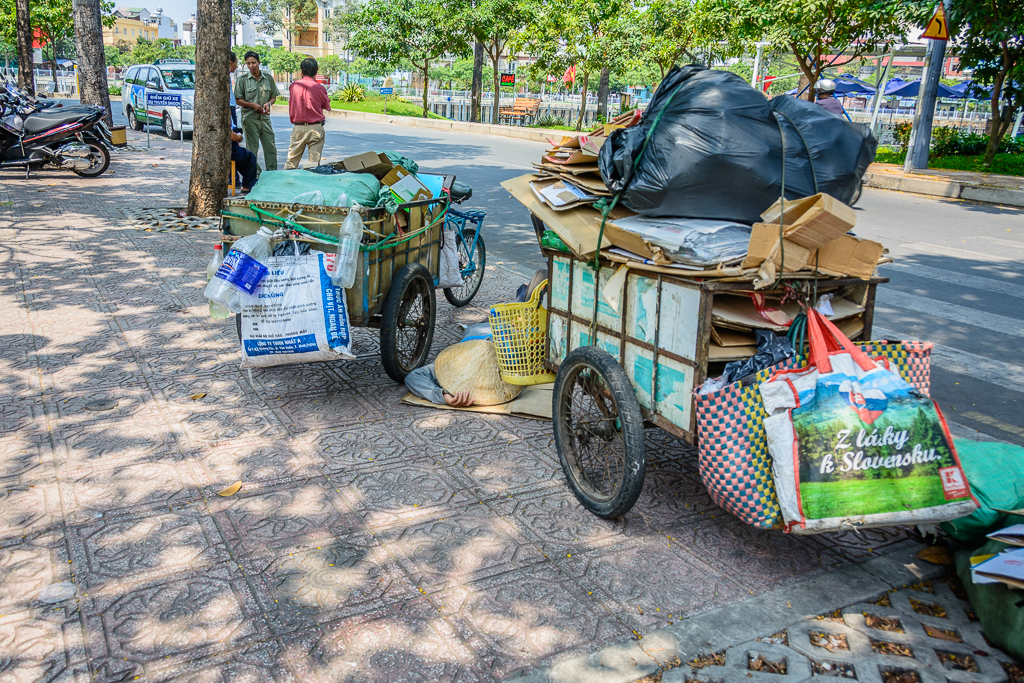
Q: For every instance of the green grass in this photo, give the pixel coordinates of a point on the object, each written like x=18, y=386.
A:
x=395, y=107
x=869, y=496
x=1003, y=164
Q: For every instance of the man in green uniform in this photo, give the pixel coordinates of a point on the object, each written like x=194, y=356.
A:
x=255, y=92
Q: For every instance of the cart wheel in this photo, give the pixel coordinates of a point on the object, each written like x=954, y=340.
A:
x=599, y=432
x=407, y=322
x=464, y=293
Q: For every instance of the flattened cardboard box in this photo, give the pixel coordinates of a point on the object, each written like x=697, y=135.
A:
x=405, y=186
x=851, y=256
x=368, y=162
x=813, y=221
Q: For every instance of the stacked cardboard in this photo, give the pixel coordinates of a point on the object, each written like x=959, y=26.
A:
x=573, y=159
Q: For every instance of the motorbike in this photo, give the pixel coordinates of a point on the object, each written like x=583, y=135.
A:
x=33, y=136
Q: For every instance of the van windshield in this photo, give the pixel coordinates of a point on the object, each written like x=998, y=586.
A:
x=179, y=80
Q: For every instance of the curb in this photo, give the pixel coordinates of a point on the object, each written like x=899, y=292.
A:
x=730, y=625
x=531, y=134
x=950, y=189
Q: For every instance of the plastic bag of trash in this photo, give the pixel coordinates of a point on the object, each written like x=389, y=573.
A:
x=693, y=241
x=286, y=186
x=718, y=146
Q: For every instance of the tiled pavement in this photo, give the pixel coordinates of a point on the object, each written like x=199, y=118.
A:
x=371, y=541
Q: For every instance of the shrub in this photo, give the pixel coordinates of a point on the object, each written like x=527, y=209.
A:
x=352, y=93
x=114, y=90
x=901, y=131
x=948, y=142
x=548, y=121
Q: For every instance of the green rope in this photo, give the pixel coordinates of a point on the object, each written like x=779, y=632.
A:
x=605, y=207
x=282, y=222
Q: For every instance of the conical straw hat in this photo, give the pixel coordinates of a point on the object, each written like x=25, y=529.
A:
x=473, y=366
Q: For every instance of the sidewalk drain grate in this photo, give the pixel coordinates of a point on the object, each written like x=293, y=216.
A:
x=167, y=219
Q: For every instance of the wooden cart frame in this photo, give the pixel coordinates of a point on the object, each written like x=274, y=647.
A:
x=394, y=287
x=684, y=348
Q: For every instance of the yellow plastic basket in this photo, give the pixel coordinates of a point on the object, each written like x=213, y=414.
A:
x=519, y=332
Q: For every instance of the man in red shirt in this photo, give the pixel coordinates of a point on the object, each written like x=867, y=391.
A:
x=307, y=101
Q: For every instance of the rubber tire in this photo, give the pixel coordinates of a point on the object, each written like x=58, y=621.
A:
x=481, y=263
x=630, y=419
x=102, y=168
x=406, y=276
x=857, y=194
x=167, y=123
x=133, y=120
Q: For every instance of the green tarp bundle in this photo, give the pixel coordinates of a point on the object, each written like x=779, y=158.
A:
x=399, y=160
x=995, y=472
x=995, y=604
x=305, y=187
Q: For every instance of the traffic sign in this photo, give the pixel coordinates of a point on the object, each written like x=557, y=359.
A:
x=508, y=79
x=387, y=91
x=158, y=99
x=938, y=27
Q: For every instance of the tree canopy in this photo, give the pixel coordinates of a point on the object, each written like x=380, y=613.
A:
x=990, y=38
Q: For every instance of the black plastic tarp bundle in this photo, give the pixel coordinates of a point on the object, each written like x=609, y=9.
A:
x=717, y=150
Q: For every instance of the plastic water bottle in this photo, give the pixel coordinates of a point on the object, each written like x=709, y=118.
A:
x=217, y=310
x=235, y=282
x=347, y=259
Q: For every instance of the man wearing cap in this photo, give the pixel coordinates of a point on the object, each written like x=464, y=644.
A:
x=307, y=101
x=256, y=92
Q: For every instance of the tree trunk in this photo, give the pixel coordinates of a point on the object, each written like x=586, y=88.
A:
x=53, y=65
x=602, y=94
x=211, y=144
x=426, y=86
x=476, y=89
x=23, y=26
x=496, y=109
x=583, y=100
x=92, y=64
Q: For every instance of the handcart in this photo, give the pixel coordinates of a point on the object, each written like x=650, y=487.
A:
x=619, y=369
x=395, y=281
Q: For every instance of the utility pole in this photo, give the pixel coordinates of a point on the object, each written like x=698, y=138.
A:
x=757, y=62
x=921, y=133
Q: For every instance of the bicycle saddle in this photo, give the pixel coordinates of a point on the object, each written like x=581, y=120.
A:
x=460, y=191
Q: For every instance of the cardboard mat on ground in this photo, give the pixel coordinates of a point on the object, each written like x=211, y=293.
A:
x=533, y=402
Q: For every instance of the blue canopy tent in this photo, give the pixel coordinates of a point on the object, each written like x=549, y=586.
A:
x=912, y=88
x=845, y=86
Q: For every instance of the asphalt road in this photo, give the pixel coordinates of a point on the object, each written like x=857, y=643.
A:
x=958, y=279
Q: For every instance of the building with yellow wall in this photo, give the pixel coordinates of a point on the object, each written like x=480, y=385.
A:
x=128, y=29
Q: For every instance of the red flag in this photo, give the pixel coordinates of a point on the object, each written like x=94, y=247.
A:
x=570, y=75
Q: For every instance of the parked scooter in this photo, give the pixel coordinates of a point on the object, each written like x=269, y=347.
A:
x=73, y=138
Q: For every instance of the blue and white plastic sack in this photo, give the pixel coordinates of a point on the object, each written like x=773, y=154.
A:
x=853, y=444
x=300, y=318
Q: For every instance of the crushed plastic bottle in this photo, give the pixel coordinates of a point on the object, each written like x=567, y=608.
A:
x=217, y=311
x=347, y=259
x=235, y=282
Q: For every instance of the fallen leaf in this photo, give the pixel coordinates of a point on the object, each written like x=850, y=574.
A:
x=50, y=184
x=942, y=634
x=196, y=397
x=231, y=490
x=936, y=554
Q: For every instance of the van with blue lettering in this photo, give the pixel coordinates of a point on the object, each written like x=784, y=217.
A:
x=165, y=76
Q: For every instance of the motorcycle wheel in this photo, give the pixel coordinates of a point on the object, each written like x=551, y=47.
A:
x=133, y=120
x=99, y=169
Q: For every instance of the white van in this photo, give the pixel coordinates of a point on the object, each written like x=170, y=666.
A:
x=166, y=76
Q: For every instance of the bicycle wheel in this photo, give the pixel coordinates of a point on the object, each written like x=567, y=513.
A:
x=599, y=432
x=407, y=321
x=464, y=293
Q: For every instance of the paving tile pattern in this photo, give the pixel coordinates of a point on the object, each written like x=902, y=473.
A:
x=370, y=540
x=931, y=634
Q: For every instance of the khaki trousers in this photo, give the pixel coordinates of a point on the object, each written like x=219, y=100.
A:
x=257, y=129
x=303, y=136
